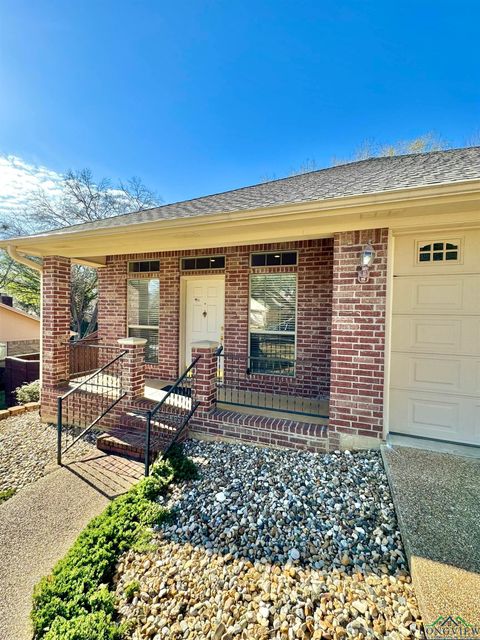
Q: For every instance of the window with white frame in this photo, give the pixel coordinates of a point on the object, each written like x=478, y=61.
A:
x=143, y=313
x=273, y=319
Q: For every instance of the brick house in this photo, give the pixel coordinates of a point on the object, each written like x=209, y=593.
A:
x=346, y=300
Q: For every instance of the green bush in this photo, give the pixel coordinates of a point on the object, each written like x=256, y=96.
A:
x=75, y=601
x=29, y=392
x=98, y=625
x=6, y=494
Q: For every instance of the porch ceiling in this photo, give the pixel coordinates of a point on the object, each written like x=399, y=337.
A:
x=456, y=204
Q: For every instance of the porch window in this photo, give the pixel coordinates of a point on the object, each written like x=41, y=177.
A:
x=273, y=313
x=143, y=313
x=144, y=266
x=206, y=262
x=274, y=259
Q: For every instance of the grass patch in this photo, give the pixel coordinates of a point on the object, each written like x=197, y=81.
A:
x=76, y=602
x=6, y=494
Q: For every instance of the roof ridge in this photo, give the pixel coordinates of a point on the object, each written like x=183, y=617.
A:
x=383, y=173
x=298, y=175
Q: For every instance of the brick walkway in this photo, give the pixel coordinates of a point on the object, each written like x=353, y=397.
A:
x=110, y=475
x=40, y=523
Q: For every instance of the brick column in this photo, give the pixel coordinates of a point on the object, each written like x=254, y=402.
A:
x=133, y=372
x=358, y=341
x=205, y=390
x=55, y=365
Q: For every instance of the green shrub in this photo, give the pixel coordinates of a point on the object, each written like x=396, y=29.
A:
x=6, y=494
x=131, y=589
x=29, y=392
x=75, y=601
x=183, y=467
x=98, y=625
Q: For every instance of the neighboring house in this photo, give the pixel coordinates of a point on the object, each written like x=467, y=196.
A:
x=19, y=335
x=318, y=350
x=19, y=330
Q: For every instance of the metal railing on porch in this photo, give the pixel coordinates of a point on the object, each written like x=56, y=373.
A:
x=84, y=355
x=88, y=401
x=168, y=419
x=275, y=384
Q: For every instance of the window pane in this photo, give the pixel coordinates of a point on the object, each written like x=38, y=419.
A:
x=437, y=257
x=424, y=257
x=151, y=336
x=188, y=263
x=274, y=259
x=450, y=245
x=217, y=262
x=437, y=246
x=143, y=301
x=258, y=260
x=289, y=258
x=272, y=353
x=426, y=247
x=451, y=255
x=273, y=301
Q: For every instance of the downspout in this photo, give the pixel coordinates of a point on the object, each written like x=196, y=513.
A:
x=22, y=259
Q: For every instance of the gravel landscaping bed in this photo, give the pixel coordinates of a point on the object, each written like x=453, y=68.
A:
x=273, y=544
x=26, y=448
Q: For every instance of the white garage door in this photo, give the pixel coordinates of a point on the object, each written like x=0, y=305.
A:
x=435, y=359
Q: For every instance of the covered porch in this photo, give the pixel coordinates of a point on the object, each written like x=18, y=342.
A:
x=294, y=350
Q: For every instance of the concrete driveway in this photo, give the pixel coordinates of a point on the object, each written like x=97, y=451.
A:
x=437, y=498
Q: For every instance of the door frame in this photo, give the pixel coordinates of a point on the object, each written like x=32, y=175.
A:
x=183, y=310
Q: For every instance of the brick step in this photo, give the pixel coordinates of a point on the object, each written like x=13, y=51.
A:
x=123, y=442
x=143, y=404
x=128, y=436
x=159, y=425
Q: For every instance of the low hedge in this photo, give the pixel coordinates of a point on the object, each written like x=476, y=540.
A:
x=76, y=601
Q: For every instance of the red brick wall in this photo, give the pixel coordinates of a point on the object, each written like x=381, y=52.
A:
x=358, y=337
x=314, y=301
x=55, y=331
x=260, y=430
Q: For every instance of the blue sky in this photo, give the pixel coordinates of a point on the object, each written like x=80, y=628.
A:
x=201, y=96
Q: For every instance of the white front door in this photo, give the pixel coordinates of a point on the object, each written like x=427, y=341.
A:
x=204, y=311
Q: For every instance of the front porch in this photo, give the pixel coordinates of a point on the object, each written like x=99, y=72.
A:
x=301, y=362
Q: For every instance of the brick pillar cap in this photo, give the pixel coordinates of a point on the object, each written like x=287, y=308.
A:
x=129, y=342
x=206, y=344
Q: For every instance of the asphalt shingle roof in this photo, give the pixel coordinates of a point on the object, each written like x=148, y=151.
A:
x=356, y=178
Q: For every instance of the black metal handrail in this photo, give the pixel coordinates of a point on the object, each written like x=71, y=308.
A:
x=279, y=384
x=88, y=402
x=175, y=408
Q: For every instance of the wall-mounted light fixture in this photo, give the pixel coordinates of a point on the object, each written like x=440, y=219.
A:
x=366, y=261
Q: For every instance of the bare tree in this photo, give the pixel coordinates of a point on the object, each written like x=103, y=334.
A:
x=369, y=148
x=80, y=199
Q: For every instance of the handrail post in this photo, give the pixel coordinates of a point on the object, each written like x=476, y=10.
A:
x=147, y=443
x=59, y=429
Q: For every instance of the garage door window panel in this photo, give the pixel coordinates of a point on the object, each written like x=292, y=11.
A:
x=438, y=252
